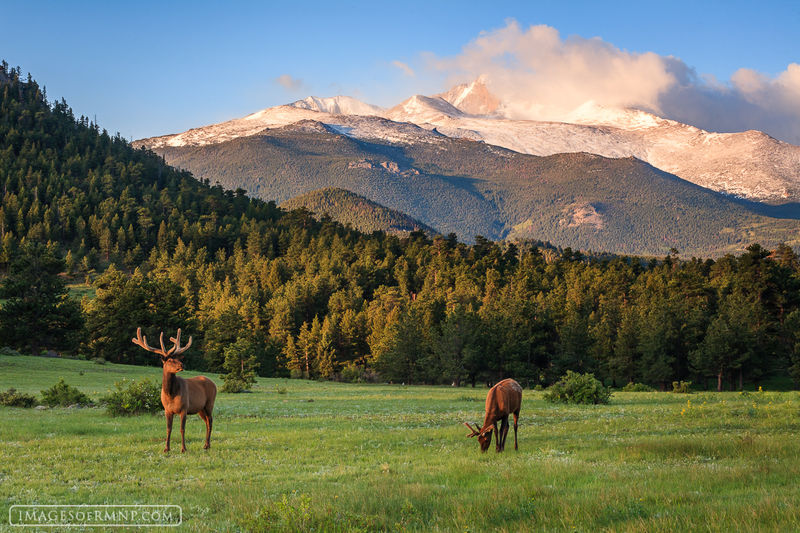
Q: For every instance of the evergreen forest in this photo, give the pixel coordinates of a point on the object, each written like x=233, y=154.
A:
x=311, y=298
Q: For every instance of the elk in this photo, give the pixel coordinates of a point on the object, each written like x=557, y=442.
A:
x=181, y=396
x=503, y=399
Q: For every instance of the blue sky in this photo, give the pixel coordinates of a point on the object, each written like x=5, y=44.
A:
x=151, y=68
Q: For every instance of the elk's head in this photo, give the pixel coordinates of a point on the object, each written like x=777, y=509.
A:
x=170, y=359
x=172, y=364
x=484, y=437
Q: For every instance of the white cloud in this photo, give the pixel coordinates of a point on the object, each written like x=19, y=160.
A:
x=290, y=83
x=540, y=75
x=408, y=71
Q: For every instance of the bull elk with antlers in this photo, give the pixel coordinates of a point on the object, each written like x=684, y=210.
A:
x=181, y=396
x=503, y=399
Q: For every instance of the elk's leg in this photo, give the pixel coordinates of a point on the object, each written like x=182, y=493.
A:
x=516, y=418
x=503, y=433
x=497, y=447
x=207, y=419
x=183, y=428
x=169, y=429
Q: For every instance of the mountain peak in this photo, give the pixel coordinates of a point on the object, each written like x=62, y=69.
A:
x=338, y=105
x=472, y=98
x=421, y=109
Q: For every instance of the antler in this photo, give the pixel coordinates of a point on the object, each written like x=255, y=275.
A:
x=474, y=431
x=177, y=349
x=141, y=341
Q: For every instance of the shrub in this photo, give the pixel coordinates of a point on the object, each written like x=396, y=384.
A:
x=12, y=398
x=681, y=387
x=234, y=384
x=352, y=373
x=7, y=350
x=134, y=398
x=64, y=395
x=637, y=387
x=579, y=389
x=240, y=365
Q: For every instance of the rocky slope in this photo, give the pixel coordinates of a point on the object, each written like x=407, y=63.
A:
x=748, y=164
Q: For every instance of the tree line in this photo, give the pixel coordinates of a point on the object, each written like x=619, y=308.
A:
x=312, y=298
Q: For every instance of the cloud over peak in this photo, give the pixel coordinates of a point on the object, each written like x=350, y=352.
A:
x=540, y=75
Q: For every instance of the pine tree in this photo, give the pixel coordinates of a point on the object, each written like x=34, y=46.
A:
x=240, y=366
x=37, y=312
x=293, y=357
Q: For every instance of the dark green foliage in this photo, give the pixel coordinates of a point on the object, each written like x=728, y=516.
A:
x=63, y=395
x=37, y=313
x=6, y=350
x=241, y=364
x=124, y=303
x=65, y=181
x=13, y=398
x=133, y=398
x=578, y=389
x=637, y=387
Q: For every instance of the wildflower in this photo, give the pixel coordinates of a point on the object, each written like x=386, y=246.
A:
x=760, y=389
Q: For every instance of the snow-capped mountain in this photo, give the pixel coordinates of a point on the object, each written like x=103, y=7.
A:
x=473, y=98
x=338, y=105
x=424, y=110
x=749, y=164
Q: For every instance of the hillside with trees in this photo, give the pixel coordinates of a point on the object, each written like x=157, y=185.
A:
x=313, y=298
x=361, y=213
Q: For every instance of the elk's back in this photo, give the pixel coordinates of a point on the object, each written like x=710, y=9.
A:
x=505, y=397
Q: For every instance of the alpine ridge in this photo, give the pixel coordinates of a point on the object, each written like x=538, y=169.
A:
x=750, y=165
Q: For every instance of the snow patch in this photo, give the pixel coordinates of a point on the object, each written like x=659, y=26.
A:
x=749, y=164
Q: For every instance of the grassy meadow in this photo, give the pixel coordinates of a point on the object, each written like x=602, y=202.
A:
x=301, y=455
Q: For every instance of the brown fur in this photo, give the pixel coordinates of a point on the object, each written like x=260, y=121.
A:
x=182, y=396
x=186, y=397
x=503, y=399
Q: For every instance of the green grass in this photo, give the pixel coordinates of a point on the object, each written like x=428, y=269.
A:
x=337, y=457
x=79, y=290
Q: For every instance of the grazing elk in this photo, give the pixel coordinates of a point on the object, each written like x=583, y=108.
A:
x=503, y=399
x=181, y=396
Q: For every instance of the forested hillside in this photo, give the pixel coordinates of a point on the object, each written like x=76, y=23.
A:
x=361, y=213
x=315, y=299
